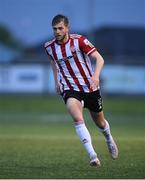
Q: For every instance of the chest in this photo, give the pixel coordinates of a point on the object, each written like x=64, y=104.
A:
x=67, y=53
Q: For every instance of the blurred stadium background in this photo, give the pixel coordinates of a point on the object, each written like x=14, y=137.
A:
x=29, y=107
x=116, y=28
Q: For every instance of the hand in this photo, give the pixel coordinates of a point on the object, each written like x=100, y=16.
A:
x=94, y=82
x=57, y=87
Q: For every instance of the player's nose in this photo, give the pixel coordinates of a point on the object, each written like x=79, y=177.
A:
x=57, y=31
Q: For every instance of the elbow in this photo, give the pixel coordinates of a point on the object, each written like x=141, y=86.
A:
x=102, y=61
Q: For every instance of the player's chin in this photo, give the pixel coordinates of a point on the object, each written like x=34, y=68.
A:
x=59, y=38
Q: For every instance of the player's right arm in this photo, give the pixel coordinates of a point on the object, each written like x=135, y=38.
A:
x=55, y=76
x=47, y=49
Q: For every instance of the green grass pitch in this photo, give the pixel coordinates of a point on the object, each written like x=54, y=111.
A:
x=38, y=140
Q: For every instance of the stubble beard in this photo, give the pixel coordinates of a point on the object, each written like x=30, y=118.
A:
x=60, y=39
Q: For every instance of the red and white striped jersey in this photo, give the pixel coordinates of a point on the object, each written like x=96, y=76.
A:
x=72, y=62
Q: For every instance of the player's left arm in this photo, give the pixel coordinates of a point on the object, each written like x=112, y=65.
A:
x=89, y=49
x=99, y=65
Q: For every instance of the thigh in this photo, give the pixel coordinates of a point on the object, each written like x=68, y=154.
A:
x=71, y=94
x=93, y=101
x=98, y=118
x=75, y=109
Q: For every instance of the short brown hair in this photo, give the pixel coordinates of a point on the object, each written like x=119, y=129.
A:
x=58, y=18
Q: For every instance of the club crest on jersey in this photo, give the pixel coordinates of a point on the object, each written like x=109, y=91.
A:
x=88, y=43
x=73, y=49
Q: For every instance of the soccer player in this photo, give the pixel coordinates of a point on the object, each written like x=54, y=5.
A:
x=78, y=84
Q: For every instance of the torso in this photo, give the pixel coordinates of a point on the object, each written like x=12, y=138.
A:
x=72, y=62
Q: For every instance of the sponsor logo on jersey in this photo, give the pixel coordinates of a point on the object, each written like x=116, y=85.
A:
x=64, y=59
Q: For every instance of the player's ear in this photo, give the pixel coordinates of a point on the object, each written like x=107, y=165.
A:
x=68, y=27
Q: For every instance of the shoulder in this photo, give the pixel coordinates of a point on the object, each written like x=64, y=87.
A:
x=75, y=36
x=49, y=43
x=81, y=38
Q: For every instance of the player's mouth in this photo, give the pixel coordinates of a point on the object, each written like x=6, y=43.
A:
x=58, y=36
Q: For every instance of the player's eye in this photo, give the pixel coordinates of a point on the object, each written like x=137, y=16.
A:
x=60, y=28
x=54, y=29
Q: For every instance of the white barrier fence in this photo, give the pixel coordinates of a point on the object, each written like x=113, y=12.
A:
x=38, y=78
x=22, y=79
x=124, y=79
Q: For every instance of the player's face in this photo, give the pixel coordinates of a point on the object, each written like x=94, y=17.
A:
x=61, y=32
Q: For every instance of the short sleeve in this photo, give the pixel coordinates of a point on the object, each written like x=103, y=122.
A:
x=48, y=50
x=86, y=46
x=46, y=46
